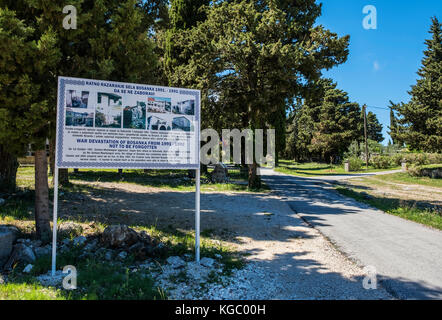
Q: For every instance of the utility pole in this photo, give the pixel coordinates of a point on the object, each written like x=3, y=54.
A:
x=364, y=109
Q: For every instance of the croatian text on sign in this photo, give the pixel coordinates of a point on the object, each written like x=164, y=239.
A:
x=105, y=124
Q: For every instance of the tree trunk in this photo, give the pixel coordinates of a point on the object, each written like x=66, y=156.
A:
x=42, y=218
x=254, y=178
x=63, y=177
x=51, y=156
x=8, y=170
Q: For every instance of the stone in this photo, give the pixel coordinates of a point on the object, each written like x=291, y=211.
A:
x=48, y=280
x=118, y=236
x=36, y=243
x=21, y=253
x=139, y=250
x=43, y=251
x=2, y=201
x=8, y=235
x=218, y=256
x=90, y=246
x=28, y=268
x=160, y=250
x=197, y=272
x=78, y=241
x=69, y=229
x=122, y=255
x=108, y=255
x=220, y=173
x=207, y=262
x=176, y=262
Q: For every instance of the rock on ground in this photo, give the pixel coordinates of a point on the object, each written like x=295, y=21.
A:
x=69, y=229
x=8, y=235
x=21, y=253
x=119, y=236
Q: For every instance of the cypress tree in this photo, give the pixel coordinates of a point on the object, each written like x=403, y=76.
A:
x=421, y=118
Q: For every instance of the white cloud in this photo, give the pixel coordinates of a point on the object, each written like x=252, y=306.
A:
x=376, y=66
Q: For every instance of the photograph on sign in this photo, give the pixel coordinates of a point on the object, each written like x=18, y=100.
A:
x=106, y=124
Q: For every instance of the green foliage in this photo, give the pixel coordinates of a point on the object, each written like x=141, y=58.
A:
x=251, y=48
x=28, y=61
x=374, y=128
x=337, y=122
x=382, y=162
x=420, y=120
x=398, y=208
x=355, y=163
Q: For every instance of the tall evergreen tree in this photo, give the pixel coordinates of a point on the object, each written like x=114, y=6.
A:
x=183, y=15
x=421, y=118
x=29, y=57
x=112, y=41
x=248, y=56
x=393, y=124
x=374, y=128
x=338, y=122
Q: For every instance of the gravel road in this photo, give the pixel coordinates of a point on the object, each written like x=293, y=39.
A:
x=407, y=256
x=287, y=259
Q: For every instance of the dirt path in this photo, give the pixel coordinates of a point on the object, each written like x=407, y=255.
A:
x=301, y=263
x=423, y=196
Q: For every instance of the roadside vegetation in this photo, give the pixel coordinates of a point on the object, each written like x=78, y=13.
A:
x=177, y=180
x=413, y=198
x=318, y=169
x=98, y=279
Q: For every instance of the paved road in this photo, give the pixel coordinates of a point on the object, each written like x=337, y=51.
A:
x=407, y=256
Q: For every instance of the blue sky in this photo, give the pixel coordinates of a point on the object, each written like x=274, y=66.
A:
x=382, y=64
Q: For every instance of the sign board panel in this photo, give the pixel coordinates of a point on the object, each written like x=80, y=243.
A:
x=106, y=124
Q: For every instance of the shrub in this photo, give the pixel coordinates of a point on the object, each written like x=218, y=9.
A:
x=382, y=162
x=355, y=163
x=421, y=159
x=397, y=159
x=435, y=158
x=414, y=170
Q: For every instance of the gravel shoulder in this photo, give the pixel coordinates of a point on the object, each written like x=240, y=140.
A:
x=286, y=258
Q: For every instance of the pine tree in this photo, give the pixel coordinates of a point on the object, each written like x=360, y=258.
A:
x=338, y=123
x=183, y=15
x=114, y=42
x=374, y=128
x=421, y=118
x=28, y=57
x=249, y=56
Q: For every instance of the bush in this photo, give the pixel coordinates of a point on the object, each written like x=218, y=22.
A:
x=414, y=171
x=397, y=159
x=355, y=163
x=382, y=162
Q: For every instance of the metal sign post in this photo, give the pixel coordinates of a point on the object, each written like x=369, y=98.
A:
x=54, y=223
x=197, y=216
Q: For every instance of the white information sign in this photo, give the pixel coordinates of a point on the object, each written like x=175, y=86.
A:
x=105, y=124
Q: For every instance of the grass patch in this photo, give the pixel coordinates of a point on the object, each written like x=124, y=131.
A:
x=97, y=280
x=102, y=280
x=165, y=179
x=29, y=291
x=396, y=207
x=405, y=178
x=318, y=169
